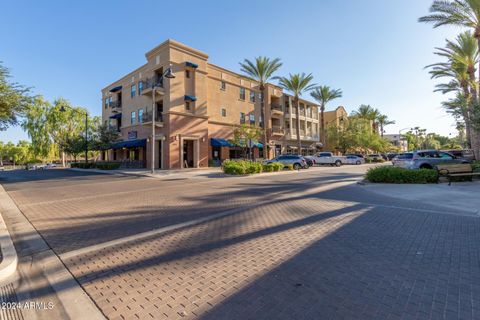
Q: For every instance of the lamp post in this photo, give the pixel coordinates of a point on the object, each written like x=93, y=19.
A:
x=62, y=109
x=169, y=75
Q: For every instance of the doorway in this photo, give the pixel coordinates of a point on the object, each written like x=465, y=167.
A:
x=159, y=154
x=188, y=153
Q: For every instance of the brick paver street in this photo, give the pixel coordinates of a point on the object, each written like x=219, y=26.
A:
x=298, y=246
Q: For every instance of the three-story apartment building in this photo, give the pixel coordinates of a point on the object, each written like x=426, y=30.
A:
x=196, y=111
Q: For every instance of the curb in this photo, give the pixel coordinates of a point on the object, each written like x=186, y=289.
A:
x=9, y=263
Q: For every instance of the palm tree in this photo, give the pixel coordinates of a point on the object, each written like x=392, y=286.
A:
x=324, y=94
x=365, y=111
x=261, y=70
x=297, y=84
x=462, y=57
x=383, y=121
x=463, y=13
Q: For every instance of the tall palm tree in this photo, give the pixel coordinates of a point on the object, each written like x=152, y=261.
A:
x=463, y=13
x=365, y=111
x=383, y=121
x=261, y=70
x=324, y=94
x=462, y=57
x=297, y=84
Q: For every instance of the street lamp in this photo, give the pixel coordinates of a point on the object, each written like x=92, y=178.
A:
x=169, y=75
x=62, y=109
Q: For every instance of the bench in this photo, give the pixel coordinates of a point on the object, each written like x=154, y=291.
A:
x=455, y=170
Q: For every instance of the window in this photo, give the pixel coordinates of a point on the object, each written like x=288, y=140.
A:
x=223, y=86
x=242, y=117
x=260, y=96
x=106, y=103
x=242, y=93
x=187, y=105
x=252, y=96
x=133, y=90
x=140, y=113
x=140, y=87
x=224, y=112
x=252, y=119
x=110, y=101
x=133, y=117
x=187, y=74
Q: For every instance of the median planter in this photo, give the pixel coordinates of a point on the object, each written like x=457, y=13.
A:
x=401, y=175
x=249, y=167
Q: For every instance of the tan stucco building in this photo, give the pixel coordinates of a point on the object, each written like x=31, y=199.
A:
x=197, y=111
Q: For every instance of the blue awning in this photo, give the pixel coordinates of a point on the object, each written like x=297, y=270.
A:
x=217, y=142
x=259, y=145
x=191, y=64
x=129, y=144
x=190, y=98
x=116, y=116
x=118, y=88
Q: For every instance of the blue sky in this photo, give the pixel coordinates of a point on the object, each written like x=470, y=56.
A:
x=374, y=50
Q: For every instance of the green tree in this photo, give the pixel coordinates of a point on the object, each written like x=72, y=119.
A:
x=262, y=70
x=324, y=94
x=14, y=100
x=103, y=136
x=36, y=125
x=245, y=133
x=383, y=121
x=368, y=113
x=297, y=84
x=74, y=146
x=463, y=13
x=459, y=68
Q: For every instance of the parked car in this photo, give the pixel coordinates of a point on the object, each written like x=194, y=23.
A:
x=428, y=159
x=374, y=157
x=298, y=162
x=401, y=159
x=391, y=155
x=459, y=153
x=329, y=158
x=50, y=165
x=310, y=160
x=354, y=160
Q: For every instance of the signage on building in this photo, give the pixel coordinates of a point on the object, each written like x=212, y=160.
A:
x=132, y=135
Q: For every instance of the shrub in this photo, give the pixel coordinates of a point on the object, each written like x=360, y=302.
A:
x=82, y=165
x=288, y=167
x=107, y=165
x=233, y=167
x=273, y=167
x=476, y=165
x=401, y=175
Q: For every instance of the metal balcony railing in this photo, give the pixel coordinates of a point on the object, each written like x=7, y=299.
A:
x=147, y=117
x=149, y=83
x=116, y=104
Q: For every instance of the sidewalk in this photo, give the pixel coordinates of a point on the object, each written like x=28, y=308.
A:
x=460, y=195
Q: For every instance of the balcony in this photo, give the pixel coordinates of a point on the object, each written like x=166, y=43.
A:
x=116, y=105
x=277, y=131
x=147, y=118
x=277, y=110
x=148, y=83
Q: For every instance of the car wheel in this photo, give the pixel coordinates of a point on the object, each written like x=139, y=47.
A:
x=358, y=162
x=297, y=166
x=338, y=163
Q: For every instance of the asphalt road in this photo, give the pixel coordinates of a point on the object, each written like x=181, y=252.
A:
x=308, y=245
